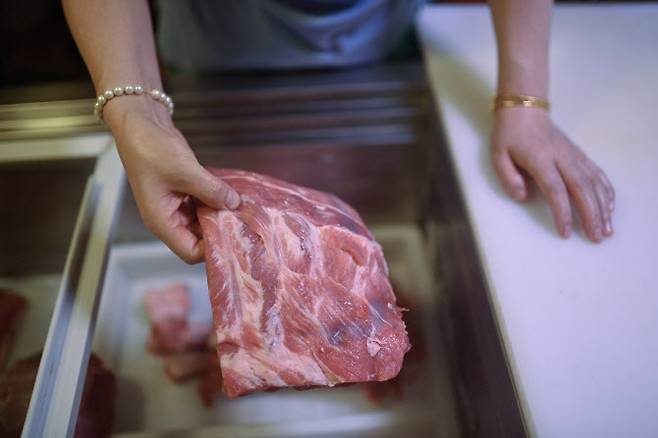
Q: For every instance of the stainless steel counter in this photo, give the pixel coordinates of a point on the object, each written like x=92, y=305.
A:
x=368, y=136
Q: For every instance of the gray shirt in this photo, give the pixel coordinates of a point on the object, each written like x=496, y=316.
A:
x=202, y=35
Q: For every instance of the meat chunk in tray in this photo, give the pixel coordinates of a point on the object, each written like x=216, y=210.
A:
x=299, y=290
x=96, y=413
x=171, y=331
x=12, y=308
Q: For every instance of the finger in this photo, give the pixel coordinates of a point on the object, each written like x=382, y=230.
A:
x=552, y=186
x=186, y=213
x=609, y=188
x=174, y=232
x=182, y=242
x=580, y=188
x=185, y=244
x=209, y=189
x=509, y=176
x=186, y=216
x=604, y=205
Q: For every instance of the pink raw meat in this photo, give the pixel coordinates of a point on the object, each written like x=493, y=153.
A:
x=299, y=290
x=169, y=302
x=171, y=332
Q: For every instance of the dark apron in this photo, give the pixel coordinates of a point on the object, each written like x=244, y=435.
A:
x=203, y=35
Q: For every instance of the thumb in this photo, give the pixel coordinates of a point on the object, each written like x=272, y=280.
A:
x=210, y=190
x=509, y=176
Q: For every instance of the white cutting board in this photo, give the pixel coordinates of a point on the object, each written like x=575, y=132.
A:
x=579, y=320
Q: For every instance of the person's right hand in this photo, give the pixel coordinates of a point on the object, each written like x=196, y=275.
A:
x=164, y=174
x=527, y=139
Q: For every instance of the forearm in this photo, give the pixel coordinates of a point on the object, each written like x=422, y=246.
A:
x=522, y=33
x=115, y=39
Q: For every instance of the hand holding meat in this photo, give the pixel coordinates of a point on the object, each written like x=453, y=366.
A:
x=164, y=175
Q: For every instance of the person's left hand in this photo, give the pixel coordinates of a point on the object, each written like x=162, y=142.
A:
x=526, y=139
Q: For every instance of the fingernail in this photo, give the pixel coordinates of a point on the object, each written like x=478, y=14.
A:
x=597, y=234
x=608, y=228
x=233, y=200
x=519, y=193
x=566, y=232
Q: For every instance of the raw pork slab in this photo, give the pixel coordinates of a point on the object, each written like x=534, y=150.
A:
x=299, y=290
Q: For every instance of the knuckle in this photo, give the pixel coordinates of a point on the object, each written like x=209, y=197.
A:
x=221, y=191
x=180, y=180
x=187, y=258
x=215, y=191
x=552, y=185
x=589, y=213
x=536, y=164
x=610, y=191
x=498, y=154
x=543, y=168
x=582, y=182
x=176, y=177
x=591, y=177
x=552, y=189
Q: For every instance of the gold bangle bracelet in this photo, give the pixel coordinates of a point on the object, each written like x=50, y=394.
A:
x=520, y=100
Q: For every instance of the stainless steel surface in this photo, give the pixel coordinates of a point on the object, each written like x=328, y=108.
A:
x=42, y=183
x=371, y=141
x=41, y=187
x=421, y=423
x=486, y=391
x=392, y=172
x=39, y=203
x=42, y=192
x=376, y=157
x=56, y=398
x=149, y=403
x=52, y=353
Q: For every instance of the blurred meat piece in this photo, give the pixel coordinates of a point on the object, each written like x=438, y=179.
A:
x=96, y=413
x=188, y=347
x=12, y=308
x=171, y=332
x=177, y=336
x=210, y=385
x=169, y=302
x=182, y=367
x=15, y=392
x=97, y=404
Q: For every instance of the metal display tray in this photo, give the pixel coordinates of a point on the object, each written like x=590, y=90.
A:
x=150, y=405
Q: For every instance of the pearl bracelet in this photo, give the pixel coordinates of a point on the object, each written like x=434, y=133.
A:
x=108, y=95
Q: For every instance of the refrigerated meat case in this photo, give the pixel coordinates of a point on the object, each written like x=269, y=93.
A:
x=369, y=135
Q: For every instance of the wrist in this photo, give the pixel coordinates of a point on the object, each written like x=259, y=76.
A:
x=120, y=112
x=519, y=100
x=523, y=75
x=522, y=88
x=516, y=118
